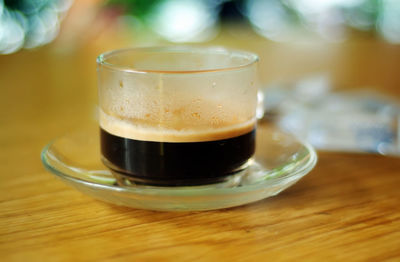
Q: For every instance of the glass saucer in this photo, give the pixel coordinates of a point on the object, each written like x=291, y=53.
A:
x=280, y=161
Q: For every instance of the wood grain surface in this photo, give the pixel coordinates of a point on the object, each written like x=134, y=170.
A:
x=346, y=209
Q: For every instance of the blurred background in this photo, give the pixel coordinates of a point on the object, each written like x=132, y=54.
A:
x=323, y=64
x=32, y=23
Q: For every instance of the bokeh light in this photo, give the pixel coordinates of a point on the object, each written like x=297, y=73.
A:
x=184, y=20
x=272, y=19
x=389, y=20
x=29, y=23
x=285, y=20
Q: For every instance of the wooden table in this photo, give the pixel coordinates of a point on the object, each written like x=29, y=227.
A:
x=347, y=208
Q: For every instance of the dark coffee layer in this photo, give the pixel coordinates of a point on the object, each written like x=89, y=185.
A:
x=176, y=163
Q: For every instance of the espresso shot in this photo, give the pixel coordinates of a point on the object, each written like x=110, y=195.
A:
x=176, y=163
x=177, y=116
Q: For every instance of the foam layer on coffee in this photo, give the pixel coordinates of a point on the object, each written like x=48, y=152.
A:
x=205, y=130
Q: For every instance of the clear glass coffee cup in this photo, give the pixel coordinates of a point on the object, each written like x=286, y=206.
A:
x=177, y=116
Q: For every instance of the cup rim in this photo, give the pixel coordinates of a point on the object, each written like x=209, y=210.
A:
x=251, y=58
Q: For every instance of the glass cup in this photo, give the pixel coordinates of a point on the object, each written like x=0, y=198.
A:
x=177, y=116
